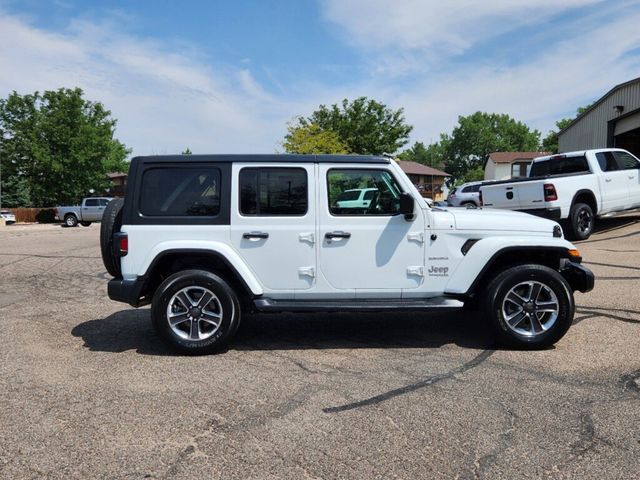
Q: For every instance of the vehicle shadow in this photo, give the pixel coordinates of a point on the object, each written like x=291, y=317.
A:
x=131, y=330
x=604, y=225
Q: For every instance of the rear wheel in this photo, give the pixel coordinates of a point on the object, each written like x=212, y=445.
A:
x=529, y=306
x=85, y=224
x=70, y=220
x=196, y=312
x=581, y=221
x=111, y=223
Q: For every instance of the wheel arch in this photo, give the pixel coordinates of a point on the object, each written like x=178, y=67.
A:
x=585, y=196
x=506, y=257
x=170, y=261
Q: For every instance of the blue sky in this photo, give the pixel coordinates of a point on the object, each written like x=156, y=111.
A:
x=227, y=76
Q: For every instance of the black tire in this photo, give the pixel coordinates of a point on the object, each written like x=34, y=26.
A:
x=70, y=220
x=226, y=303
x=111, y=223
x=523, y=334
x=581, y=221
x=85, y=224
x=468, y=205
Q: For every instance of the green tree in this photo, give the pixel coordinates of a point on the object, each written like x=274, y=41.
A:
x=431, y=155
x=476, y=136
x=309, y=138
x=187, y=151
x=550, y=142
x=56, y=146
x=364, y=126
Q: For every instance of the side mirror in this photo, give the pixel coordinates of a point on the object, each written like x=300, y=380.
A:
x=407, y=203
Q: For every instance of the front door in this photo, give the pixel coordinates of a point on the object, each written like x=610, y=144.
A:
x=273, y=223
x=614, y=184
x=368, y=246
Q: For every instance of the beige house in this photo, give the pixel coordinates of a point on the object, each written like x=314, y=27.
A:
x=429, y=181
x=506, y=165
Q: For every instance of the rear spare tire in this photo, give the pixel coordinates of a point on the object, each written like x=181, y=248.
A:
x=111, y=223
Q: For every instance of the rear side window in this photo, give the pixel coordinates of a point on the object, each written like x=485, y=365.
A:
x=91, y=202
x=606, y=161
x=180, y=191
x=273, y=191
x=559, y=166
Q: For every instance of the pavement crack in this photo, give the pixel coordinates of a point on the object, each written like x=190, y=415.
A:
x=474, y=362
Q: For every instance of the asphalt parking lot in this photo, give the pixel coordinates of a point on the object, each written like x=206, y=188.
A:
x=88, y=391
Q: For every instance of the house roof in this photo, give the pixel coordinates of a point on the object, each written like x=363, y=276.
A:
x=116, y=174
x=415, y=168
x=510, y=157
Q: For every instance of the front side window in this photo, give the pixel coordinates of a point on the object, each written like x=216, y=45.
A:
x=180, y=191
x=362, y=192
x=626, y=161
x=273, y=191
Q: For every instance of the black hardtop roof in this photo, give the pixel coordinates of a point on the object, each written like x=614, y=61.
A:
x=264, y=158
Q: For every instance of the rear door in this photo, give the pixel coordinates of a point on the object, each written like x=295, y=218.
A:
x=614, y=183
x=91, y=210
x=273, y=223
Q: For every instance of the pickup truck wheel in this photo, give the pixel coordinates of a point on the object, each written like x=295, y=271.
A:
x=85, y=224
x=111, y=223
x=582, y=220
x=196, y=312
x=70, y=220
x=529, y=306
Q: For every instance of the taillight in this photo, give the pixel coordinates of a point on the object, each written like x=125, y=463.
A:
x=120, y=244
x=550, y=194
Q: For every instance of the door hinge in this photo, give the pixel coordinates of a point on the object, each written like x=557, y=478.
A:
x=307, y=237
x=416, y=237
x=307, y=272
x=417, y=271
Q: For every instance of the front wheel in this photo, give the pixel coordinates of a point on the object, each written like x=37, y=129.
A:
x=529, y=306
x=195, y=312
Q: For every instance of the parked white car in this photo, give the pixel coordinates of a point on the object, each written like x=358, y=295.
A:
x=574, y=188
x=206, y=238
x=356, y=198
x=8, y=216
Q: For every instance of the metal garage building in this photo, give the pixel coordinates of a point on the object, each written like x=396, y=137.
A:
x=612, y=121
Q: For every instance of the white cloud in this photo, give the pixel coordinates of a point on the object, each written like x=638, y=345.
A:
x=449, y=26
x=164, y=98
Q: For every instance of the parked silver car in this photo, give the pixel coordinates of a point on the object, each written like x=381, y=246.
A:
x=91, y=210
x=465, y=194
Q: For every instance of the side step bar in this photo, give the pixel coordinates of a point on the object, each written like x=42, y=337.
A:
x=333, y=305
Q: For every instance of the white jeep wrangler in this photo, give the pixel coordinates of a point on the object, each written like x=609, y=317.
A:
x=205, y=237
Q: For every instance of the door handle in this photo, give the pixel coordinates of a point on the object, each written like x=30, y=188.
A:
x=607, y=180
x=339, y=234
x=631, y=177
x=255, y=235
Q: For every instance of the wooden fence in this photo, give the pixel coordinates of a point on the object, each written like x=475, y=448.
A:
x=32, y=215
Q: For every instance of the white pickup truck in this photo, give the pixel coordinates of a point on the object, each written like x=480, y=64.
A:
x=573, y=188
